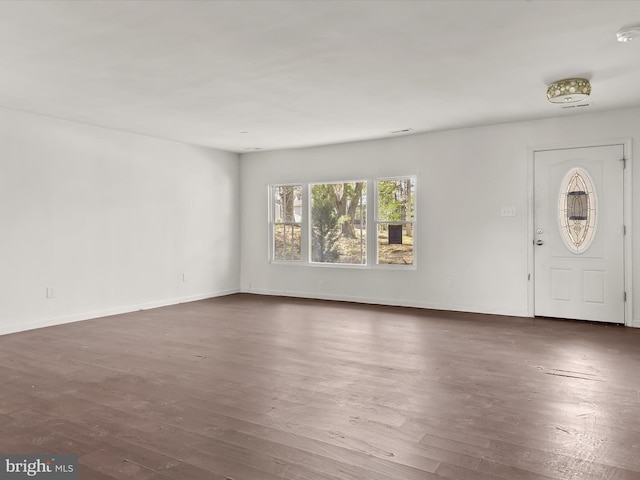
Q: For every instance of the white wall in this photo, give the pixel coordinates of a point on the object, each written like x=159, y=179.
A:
x=110, y=221
x=464, y=178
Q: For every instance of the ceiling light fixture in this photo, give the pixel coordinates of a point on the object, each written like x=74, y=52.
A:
x=570, y=90
x=628, y=34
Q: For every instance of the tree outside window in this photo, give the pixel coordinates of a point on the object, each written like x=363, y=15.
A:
x=338, y=223
x=335, y=233
x=395, y=218
x=286, y=222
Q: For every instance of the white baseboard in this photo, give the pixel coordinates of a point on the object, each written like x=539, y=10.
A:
x=395, y=302
x=49, y=322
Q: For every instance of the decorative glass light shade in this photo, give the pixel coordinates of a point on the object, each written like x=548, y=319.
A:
x=628, y=34
x=570, y=90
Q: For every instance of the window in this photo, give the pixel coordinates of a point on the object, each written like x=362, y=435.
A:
x=577, y=210
x=331, y=227
x=395, y=217
x=286, y=214
x=338, y=223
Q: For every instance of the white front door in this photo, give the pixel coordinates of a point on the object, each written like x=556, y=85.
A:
x=578, y=233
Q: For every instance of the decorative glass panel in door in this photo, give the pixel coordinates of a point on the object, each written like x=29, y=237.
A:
x=577, y=210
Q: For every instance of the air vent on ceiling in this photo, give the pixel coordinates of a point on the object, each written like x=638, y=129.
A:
x=404, y=130
x=580, y=105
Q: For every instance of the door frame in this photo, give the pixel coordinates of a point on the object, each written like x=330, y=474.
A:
x=627, y=217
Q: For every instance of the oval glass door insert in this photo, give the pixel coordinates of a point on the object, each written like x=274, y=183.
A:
x=577, y=208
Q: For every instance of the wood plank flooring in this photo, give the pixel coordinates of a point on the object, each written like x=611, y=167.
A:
x=249, y=387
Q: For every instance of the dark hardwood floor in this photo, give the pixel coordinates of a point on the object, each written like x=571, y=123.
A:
x=249, y=388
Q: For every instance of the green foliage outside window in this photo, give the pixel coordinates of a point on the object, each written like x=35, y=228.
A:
x=396, y=198
x=338, y=227
x=325, y=231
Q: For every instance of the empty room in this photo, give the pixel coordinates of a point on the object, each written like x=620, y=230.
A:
x=321, y=240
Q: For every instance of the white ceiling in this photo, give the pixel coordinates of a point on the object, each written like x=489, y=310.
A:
x=301, y=73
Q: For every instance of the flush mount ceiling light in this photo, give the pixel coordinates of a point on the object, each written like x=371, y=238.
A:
x=628, y=34
x=570, y=90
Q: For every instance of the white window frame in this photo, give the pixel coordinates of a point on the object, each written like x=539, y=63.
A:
x=365, y=194
x=273, y=224
x=305, y=225
x=377, y=222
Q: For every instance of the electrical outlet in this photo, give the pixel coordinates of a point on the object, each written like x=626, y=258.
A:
x=450, y=282
x=185, y=277
x=321, y=284
x=50, y=292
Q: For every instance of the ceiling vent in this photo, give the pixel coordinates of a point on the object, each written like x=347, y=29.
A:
x=579, y=105
x=404, y=130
